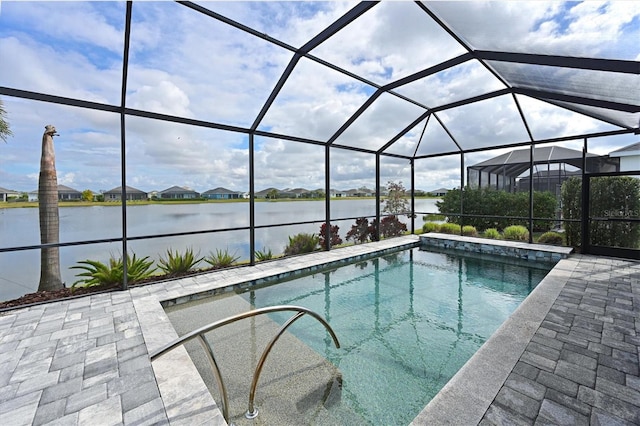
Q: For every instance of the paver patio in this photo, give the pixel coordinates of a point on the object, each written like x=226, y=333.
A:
x=85, y=361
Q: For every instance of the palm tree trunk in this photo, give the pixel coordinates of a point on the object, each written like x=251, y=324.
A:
x=49, y=219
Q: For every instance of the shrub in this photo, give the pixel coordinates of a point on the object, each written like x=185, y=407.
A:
x=450, y=228
x=97, y=273
x=551, y=237
x=469, y=231
x=301, y=243
x=612, y=196
x=265, y=254
x=178, y=263
x=431, y=227
x=436, y=217
x=390, y=226
x=492, y=233
x=359, y=232
x=572, y=209
x=333, y=234
x=221, y=258
x=501, y=204
x=516, y=232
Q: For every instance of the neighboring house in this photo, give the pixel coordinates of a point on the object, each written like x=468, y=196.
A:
x=132, y=194
x=629, y=157
x=294, y=193
x=222, y=194
x=547, y=180
x=178, y=193
x=300, y=193
x=289, y=193
x=265, y=192
x=502, y=172
x=65, y=193
x=441, y=192
x=360, y=192
x=5, y=194
x=318, y=192
x=366, y=192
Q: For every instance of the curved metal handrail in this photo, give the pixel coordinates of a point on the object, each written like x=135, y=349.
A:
x=252, y=412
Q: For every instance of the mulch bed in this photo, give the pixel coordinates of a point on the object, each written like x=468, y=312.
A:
x=48, y=296
x=65, y=293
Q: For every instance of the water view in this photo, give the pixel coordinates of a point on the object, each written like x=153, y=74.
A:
x=20, y=271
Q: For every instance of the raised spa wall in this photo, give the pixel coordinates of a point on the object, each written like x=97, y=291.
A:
x=512, y=249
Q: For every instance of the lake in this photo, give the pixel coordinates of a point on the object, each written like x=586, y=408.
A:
x=20, y=271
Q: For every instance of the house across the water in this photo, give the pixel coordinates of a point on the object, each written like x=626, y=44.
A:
x=222, y=194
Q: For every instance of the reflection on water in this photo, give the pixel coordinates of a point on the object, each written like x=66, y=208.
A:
x=181, y=215
x=20, y=271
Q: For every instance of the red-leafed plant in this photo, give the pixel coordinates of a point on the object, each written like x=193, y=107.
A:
x=359, y=232
x=333, y=234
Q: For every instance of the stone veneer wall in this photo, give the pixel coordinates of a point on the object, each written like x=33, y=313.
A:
x=535, y=252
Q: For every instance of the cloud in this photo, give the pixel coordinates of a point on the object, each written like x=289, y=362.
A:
x=390, y=41
x=380, y=122
x=186, y=64
x=164, y=96
x=460, y=82
x=162, y=154
x=314, y=102
x=71, y=23
x=40, y=67
x=293, y=22
x=304, y=164
x=88, y=145
x=548, y=121
x=226, y=74
x=590, y=29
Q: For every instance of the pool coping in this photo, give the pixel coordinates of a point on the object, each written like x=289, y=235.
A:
x=187, y=399
x=92, y=352
x=74, y=361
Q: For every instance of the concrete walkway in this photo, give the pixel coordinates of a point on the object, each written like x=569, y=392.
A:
x=85, y=361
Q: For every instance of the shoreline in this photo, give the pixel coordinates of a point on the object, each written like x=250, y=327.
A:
x=35, y=204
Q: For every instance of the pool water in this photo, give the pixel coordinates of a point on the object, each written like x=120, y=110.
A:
x=407, y=322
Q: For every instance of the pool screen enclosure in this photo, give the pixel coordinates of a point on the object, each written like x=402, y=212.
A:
x=384, y=86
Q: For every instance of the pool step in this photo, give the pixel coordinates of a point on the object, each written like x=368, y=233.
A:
x=297, y=385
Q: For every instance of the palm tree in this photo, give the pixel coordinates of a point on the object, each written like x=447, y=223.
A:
x=5, y=131
x=49, y=217
x=273, y=194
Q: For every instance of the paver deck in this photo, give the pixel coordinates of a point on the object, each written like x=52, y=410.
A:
x=568, y=355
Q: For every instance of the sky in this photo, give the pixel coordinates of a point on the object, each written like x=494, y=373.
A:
x=185, y=64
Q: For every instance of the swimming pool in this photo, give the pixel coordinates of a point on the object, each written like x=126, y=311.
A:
x=406, y=322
